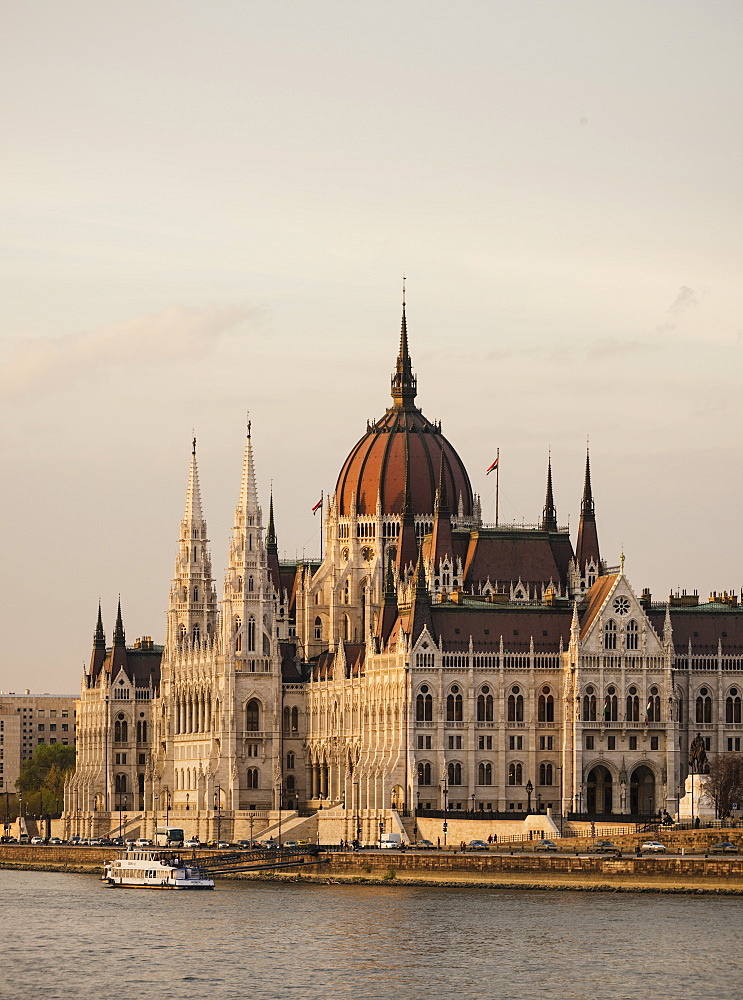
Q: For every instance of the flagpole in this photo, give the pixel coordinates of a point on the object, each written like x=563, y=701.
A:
x=497, y=482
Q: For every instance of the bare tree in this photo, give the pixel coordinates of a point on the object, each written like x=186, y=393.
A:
x=726, y=782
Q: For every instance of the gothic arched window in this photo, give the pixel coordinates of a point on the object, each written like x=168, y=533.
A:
x=454, y=705
x=733, y=707
x=424, y=705
x=589, y=705
x=610, y=635
x=454, y=773
x=516, y=706
x=424, y=773
x=251, y=634
x=611, y=706
x=633, y=635
x=545, y=773
x=318, y=628
x=652, y=709
x=704, y=706
x=253, y=716
x=485, y=773
x=485, y=705
x=633, y=706
x=253, y=777
x=515, y=773
x=546, y=706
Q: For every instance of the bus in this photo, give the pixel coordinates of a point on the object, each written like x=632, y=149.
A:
x=168, y=836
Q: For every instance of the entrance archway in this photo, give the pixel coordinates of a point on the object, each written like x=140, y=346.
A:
x=642, y=791
x=598, y=791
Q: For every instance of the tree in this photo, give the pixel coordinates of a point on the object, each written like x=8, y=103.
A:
x=46, y=772
x=726, y=782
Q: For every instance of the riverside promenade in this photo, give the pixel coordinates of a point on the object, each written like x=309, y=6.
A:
x=571, y=867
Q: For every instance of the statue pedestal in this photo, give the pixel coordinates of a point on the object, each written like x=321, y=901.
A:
x=702, y=804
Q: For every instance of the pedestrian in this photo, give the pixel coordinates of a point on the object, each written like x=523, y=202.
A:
x=490, y=838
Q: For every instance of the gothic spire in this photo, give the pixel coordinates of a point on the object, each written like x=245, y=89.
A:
x=193, y=512
x=99, y=637
x=271, y=542
x=420, y=612
x=407, y=544
x=119, y=636
x=404, y=387
x=272, y=548
x=247, y=505
x=118, y=660
x=587, y=508
x=549, y=516
x=441, y=538
x=587, y=548
x=98, y=655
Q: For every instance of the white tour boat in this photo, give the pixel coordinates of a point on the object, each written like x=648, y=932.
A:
x=154, y=870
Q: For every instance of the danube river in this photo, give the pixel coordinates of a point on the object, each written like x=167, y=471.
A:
x=66, y=936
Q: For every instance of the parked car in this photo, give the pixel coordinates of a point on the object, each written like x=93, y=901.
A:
x=37, y=840
x=56, y=840
x=96, y=842
x=724, y=847
x=193, y=842
x=143, y=842
x=247, y=845
x=74, y=841
x=8, y=840
x=604, y=847
x=290, y=843
x=545, y=845
x=653, y=846
x=477, y=845
x=130, y=842
x=424, y=845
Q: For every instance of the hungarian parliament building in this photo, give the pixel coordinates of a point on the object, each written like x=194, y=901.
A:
x=428, y=662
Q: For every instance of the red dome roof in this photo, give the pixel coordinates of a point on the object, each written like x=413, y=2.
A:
x=403, y=444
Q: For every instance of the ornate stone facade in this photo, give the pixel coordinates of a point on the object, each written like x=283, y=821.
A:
x=430, y=661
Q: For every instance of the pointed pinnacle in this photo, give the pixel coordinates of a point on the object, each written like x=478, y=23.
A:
x=549, y=519
x=99, y=638
x=587, y=505
x=119, y=636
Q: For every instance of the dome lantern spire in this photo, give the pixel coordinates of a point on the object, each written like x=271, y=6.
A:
x=404, y=383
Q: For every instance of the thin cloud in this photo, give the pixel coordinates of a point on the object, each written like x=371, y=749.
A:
x=686, y=299
x=174, y=334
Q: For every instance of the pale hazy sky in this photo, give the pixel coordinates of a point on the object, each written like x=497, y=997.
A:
x=206, y=208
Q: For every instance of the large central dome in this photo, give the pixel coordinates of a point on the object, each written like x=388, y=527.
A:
x=402, y=446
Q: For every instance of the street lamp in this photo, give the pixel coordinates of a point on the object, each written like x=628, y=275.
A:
x=121, y=797
x=529, y=790
x=187, y=805
x=218, y=807
x=558, y=767
x=446, y=793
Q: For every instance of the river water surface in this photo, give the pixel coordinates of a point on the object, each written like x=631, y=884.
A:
x=68, y=936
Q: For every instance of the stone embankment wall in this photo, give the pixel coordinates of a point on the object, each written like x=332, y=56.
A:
x=438, y=865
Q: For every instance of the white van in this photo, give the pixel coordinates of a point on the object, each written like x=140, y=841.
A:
x=390, y=841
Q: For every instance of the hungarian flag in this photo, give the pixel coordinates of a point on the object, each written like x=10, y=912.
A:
x=317, y=506
x=492, y=467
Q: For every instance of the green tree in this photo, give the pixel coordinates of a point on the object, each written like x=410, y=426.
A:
x=43, y=776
